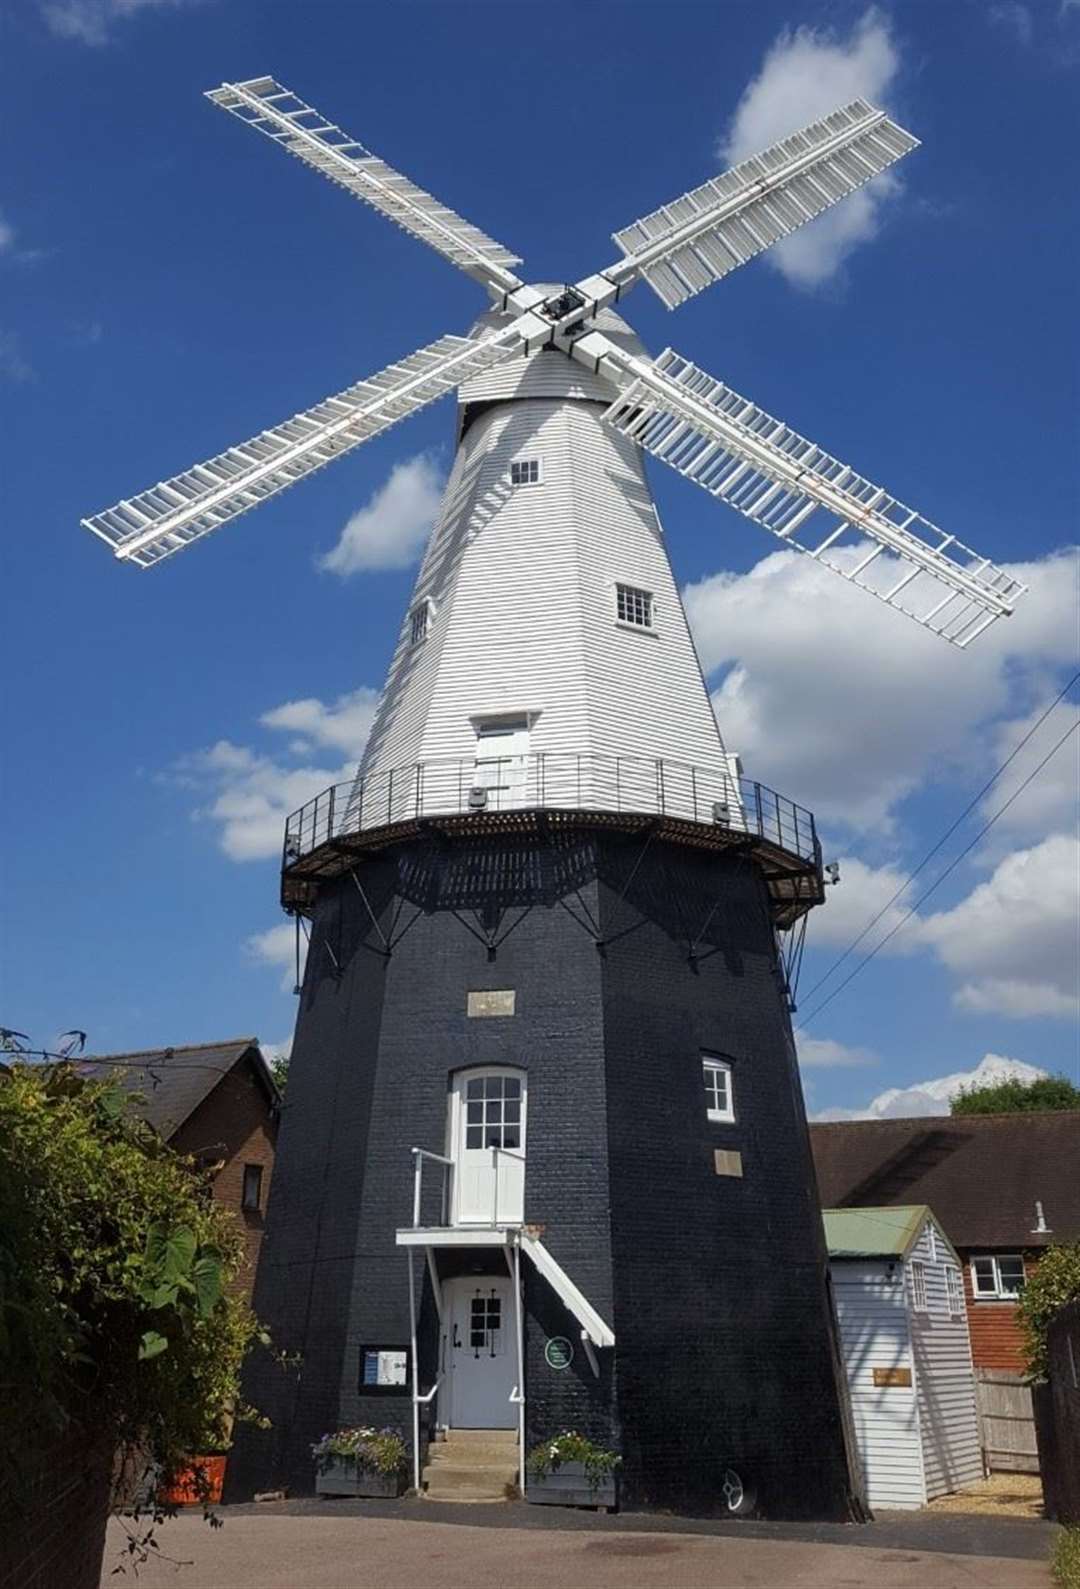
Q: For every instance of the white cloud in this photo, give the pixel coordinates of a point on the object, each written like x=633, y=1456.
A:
x=1051, y=801
x=90, y=21
x=1014, y=18
x=856, y=899
x=807, y=73
x=848, y=706
x=390, y=531
x=344, y=725
x=933, y=1097
x=250, y=793
x=1015, y=939
x=826, y=1053
x=276, y=947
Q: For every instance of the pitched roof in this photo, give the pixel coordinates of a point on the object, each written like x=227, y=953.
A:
x=876, y=1232
x=981, y=1174
x=174, y=1081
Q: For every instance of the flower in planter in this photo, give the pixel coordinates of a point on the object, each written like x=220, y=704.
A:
x=368, y=1450
x=569, y=1446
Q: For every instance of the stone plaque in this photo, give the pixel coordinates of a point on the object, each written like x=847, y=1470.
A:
x=491, y=1002
x=892, y=1376
x=727, y=1161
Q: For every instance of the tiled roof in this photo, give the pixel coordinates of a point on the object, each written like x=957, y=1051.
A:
x=981, y=1174
x=174, y=1081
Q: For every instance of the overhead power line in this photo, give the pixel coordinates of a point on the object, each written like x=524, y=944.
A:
x=945, y=837
x=953, y=864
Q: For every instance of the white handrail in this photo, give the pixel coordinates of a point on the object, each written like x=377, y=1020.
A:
x=419, y=1155
x=509, y=1154
x=418, y=1402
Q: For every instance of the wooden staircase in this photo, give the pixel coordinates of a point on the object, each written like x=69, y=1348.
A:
x=472, y=1465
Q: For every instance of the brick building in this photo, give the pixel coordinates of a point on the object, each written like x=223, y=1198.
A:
x=1003, y=1186
x=218, y=1103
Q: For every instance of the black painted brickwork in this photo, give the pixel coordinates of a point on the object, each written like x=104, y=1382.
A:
x=714, y=1286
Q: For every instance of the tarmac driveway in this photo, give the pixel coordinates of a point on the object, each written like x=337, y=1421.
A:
x=425, y=1545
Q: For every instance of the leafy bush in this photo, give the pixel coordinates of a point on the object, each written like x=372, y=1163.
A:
x=1054, y=1281
x=1017, y=1097
x=369, y=1450
x=1065, y=1562
x=569, y=1446
x=114, y=1274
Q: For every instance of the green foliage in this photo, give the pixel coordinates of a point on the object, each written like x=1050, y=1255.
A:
x=1065, y=1561
x=569, y=1446
x=1017, y=1097
x=1054, y=1282
x=279, y=1069
x=370, y=1450
x=114, y=1272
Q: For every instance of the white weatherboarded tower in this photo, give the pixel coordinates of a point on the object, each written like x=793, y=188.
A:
x=545, y=1162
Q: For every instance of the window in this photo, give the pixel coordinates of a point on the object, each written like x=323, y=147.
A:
x=485, y=1322
x=418, y=622
x=493, y=1112
x=252, y=1194
x=634, y=606
x=956, y=1292
x=719, y=1098
x=918, y=1288
x=525, y=472
x=997, y=1279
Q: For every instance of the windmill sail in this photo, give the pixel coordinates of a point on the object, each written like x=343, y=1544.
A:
x=754, y=462
x=302, y=131
x=686, y=245
x=172, y=514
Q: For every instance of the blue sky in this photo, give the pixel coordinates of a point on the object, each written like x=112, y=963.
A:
x=169, y=285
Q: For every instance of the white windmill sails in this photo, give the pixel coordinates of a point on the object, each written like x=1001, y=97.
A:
x=678, y=413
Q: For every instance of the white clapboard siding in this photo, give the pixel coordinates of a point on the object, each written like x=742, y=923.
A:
x=872, y=1316
x=521, y=583
x=944, y=1377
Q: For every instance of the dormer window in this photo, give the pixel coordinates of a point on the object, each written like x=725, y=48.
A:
x=418, y=622
x=525, y=472
x=634, y=606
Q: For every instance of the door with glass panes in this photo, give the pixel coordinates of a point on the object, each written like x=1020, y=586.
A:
x=480, y=1351
x=487, y=1131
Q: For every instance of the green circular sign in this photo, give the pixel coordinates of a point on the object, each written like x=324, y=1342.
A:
x=558, y=1352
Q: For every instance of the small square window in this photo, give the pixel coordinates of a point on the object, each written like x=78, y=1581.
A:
x=719, y=1097
x=634, y=606
x=418, y=622
x=956, y=1292
x=525, y=472
x=918, y=1288
x=251, y=1198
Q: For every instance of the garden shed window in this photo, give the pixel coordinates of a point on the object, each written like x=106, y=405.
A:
x=634, y=606
x=919, y=1299
x=525, y=472
x=997, y=1279
x=956, y=1292
x=719, y=1097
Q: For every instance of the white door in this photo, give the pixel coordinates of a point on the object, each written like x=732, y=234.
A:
x=487, y=1129
x=481, y=1351
x=502, y=761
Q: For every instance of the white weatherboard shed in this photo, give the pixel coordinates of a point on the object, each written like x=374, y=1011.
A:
x=899, y=1295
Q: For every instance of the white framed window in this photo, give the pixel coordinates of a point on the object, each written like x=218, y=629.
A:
x=634, y=606
x=418, y=622
x=719, y=1094
x=525, y=472
x=997, y=1279
x=955, y=1290
x=919, y=1299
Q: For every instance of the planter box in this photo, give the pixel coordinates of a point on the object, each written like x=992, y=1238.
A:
x=345, y=1478
x=568, y=1486
x=184, y=1491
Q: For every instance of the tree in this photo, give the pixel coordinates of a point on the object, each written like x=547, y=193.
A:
x=1054, y=1282
x=1017, y=1097
x=279, y=1070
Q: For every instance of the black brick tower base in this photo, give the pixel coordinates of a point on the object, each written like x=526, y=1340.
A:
x=628, y=955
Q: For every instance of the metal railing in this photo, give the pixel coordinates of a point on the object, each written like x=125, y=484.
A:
x=446, y=1188
x=551, y=781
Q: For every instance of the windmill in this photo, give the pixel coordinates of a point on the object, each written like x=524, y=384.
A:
x=544, y=1001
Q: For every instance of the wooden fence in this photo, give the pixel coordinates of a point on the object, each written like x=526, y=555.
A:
x=1006, y=1421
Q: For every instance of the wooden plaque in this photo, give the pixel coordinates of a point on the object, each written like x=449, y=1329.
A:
x=892, y=1376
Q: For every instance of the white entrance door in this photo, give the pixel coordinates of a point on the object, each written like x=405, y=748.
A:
x=487, y=1130
x=481, y=1351
x=502, y=761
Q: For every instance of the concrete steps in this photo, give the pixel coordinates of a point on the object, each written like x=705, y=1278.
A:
x=472, y=1465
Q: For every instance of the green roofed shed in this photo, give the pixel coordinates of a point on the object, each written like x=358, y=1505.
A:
x=878, y=1232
